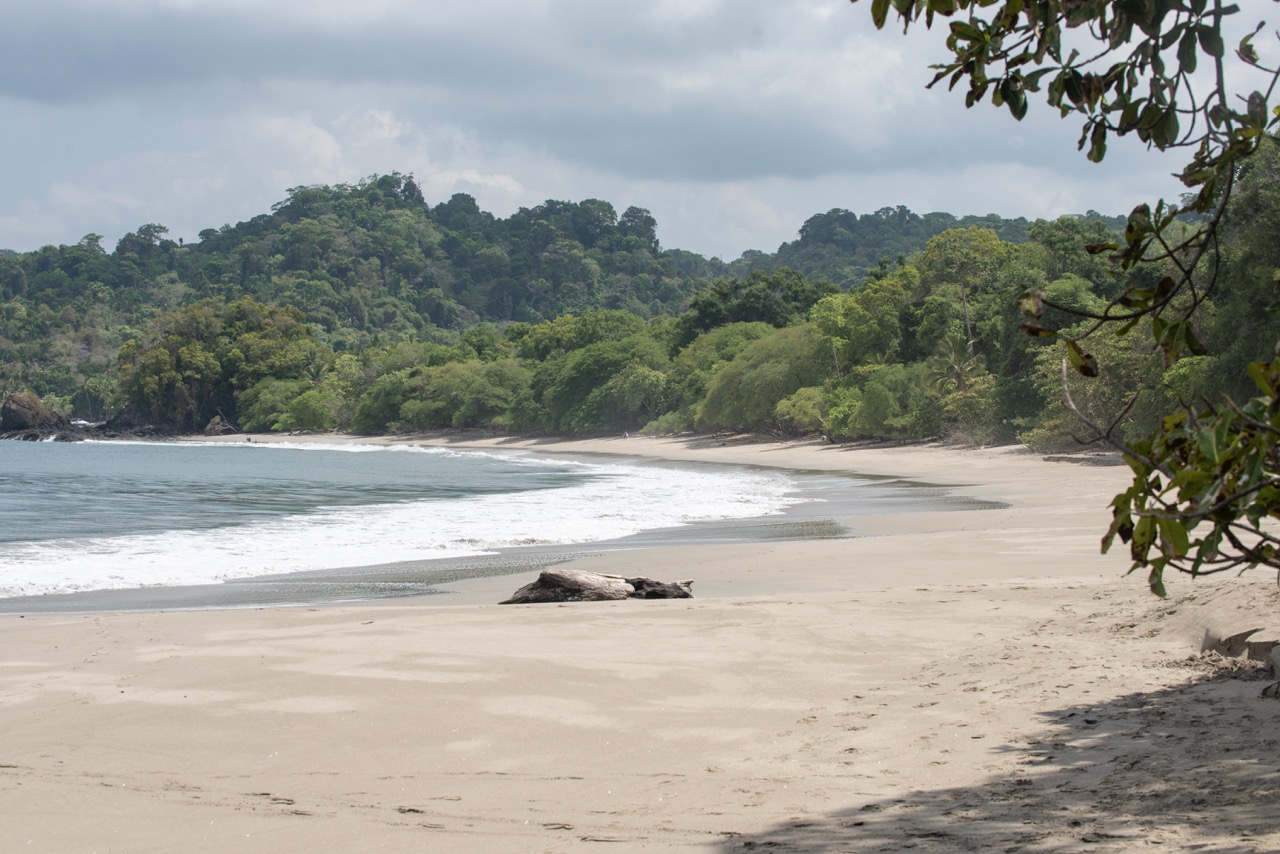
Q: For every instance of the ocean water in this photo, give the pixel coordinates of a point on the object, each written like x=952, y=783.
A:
x=112, y=515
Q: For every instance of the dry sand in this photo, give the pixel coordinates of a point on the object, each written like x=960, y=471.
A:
x=963, y=681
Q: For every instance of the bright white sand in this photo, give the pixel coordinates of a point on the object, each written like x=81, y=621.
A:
x=978, y=680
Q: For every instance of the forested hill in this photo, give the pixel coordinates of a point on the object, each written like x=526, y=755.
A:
x=375, y=263
x=377, y=258
x=365, y=307
x=845, y=248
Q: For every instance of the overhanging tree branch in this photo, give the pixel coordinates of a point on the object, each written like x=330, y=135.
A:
x=1215, y=467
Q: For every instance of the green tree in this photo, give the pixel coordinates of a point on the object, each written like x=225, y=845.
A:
x=463, y=394
x=966, y=262
x=639, y=392
x=1205, y=479
x=885, y=401
x=572, y=332
x=802, y=412
x=583, y=389
x=264, y=406
x=868, y=323
x=955, y=366
x=1067, y=240
x=693, y=367
x=745, y=393
x=380, y=405
x=195, y=363
x=777, y=298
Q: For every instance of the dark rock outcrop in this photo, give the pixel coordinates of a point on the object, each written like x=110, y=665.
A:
x=23, y=411
x=23, y=417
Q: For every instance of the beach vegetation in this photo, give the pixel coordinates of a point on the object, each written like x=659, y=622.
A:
x=744, y=393
x=460, y=395
x=1184, y=274
x=926, y=345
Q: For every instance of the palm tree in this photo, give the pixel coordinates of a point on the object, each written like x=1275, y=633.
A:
x=955, y=365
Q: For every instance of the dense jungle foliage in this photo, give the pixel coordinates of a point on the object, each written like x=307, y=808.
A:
x=364, y=308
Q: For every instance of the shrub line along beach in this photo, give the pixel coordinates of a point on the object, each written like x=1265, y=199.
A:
x=977, y=680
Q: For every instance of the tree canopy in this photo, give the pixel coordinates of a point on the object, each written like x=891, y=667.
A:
x=1207, y=475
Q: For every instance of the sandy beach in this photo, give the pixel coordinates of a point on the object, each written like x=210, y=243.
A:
x=980, y=680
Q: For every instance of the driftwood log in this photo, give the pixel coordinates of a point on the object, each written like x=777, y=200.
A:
x=574, y=585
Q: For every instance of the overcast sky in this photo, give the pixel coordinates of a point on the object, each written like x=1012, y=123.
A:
x=733, y=121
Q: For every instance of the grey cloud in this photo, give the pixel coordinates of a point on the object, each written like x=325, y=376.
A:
x=582, y=86
x=94, y=51
x=740, y=118
x=78, y=50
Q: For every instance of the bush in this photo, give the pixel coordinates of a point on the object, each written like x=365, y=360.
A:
x=310, y=410
x=885, y=402
x=262, y=406
x=744, y=394
x=970, y=413
x=802, y=412
x=380, y=405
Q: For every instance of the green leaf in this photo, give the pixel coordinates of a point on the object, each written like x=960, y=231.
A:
x=1073, y=85
x=1159, y=327
x=1085, y=364
x=1155, y=580
x=1194, y=343
x=1260, y=373
x=1165, y=132
x=1120, y=525
x=1174, y=534
x=1255, y=470
x=1187, y=52
x=1210, y=40
x=1031, y=303
x=1208, y=550
x=1144, y=534
x=1017, y=102
x=1035, y=330
x=1210, y=446
x=879, y=12
x=1139, y=222
x=1257, y=108
x=1032, y=81
x=1246, y=51
x=1122, y=521
x=1098, y=143
x=1128, y=327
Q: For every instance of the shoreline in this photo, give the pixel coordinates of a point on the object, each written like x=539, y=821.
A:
x=829, y=504
x=982, y=680
x=1018, y=483
x=966, y=473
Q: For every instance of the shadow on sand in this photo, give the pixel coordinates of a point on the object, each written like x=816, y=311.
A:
x=1190, y=768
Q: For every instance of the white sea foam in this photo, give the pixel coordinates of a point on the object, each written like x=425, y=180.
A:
x=617, y=501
